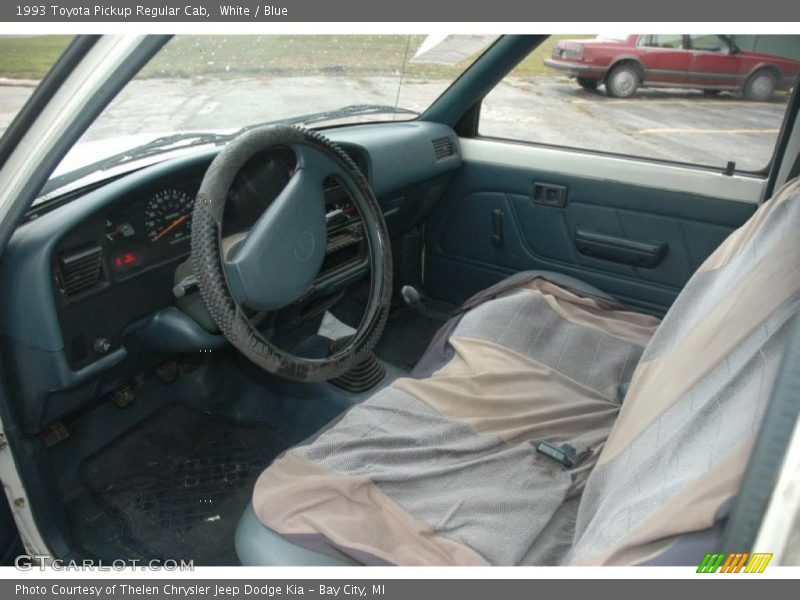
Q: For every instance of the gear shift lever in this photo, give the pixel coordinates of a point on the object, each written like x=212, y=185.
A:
x=412, y=298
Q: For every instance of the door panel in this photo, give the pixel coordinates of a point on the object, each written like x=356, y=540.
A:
x=466, y=249
x=664, y=58
x=712, y=64
x=713, y=69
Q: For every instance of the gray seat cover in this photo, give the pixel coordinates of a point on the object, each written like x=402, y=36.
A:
x=448, y=468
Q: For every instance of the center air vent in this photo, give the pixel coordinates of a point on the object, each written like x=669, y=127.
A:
x=81, y=270
x=443, y=147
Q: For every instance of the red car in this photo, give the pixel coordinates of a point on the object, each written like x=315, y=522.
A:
x=711, y=63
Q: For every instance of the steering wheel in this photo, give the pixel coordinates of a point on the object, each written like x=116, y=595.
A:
x=278, y=260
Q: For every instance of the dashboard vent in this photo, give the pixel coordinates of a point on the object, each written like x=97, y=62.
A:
x=444, y=147
x=81, y=270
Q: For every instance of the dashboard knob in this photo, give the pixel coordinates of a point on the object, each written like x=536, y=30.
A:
x=102, y=345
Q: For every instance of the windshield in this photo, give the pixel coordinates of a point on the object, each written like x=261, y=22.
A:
x=223, y=84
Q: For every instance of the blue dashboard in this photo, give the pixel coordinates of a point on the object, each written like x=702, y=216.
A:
x=89, y=285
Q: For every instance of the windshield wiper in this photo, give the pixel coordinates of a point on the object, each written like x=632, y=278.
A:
x=191, y=139
x=156, y=146
x=353, y=110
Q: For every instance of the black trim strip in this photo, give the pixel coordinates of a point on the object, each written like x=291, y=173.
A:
x=691, y=86
x=788, y=126
x=795, y=170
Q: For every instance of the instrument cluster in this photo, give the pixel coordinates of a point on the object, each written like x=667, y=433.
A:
x=152, y=230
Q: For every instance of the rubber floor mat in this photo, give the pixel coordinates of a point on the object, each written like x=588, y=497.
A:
x=180, y=481
x=407, y=335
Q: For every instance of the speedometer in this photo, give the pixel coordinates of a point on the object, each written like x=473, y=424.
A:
x=168, y=216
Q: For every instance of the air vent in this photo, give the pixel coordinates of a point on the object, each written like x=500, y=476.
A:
x=443, y=147
x=81, y=270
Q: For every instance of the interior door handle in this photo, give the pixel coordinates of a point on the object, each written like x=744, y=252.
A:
x=497, y=226
x=638, y=253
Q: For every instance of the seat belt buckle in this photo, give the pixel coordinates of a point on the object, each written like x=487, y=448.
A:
x=566, y=455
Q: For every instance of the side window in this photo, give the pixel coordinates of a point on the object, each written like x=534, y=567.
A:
x=662, y=41
x=616, y=95
x=708, y=43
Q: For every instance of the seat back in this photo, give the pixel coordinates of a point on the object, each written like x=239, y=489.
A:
x=672, y=465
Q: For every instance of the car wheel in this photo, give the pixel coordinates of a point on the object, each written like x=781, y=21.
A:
x=760, y=86
x=587, y=84
x=622, y=81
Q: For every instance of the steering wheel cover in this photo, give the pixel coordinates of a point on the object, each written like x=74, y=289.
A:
x=207, y=257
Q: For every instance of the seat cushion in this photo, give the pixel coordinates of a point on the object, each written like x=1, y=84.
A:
x=444, y=469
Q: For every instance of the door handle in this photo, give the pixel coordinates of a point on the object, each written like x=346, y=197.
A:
x=497, y=226
x=638, y=253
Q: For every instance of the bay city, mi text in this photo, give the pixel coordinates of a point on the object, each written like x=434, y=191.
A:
x=187, y=591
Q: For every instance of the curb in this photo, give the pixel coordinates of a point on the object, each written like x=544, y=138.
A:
x=8, y=82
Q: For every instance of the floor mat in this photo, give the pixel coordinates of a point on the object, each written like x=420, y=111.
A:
x=408, y=330
x=181, y=479
x=407, y=335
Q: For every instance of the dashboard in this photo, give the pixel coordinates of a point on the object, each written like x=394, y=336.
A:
x=118, y=265
x=150, y=227
x=91, y=282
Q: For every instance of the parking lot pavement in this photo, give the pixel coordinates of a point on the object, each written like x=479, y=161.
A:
x=12, y=97
x=675, y=125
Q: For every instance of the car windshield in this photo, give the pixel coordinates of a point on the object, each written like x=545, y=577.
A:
x=204, y=89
